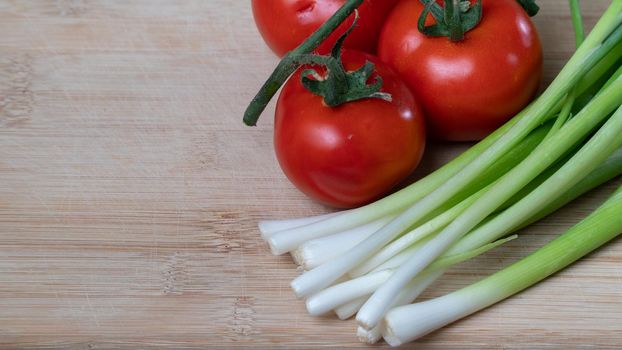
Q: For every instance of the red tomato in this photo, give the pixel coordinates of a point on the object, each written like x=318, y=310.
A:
x=352, y=154
x=285, y=24
x=468, y=88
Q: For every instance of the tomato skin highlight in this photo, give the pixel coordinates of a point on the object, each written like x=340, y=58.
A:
x=469, y=88
x=285, y=24
x=352, y=154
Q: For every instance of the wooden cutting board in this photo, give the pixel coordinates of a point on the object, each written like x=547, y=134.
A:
x=130, y=193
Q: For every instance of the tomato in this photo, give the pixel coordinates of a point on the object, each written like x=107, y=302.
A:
x=352, y=154
x=285, y=24
x=468, y=88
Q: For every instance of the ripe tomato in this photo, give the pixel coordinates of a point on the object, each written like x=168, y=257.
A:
x=352, y=154
x=468, y=88
x=285, y=24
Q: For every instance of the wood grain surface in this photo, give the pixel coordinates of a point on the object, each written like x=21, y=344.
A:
x=130, y=193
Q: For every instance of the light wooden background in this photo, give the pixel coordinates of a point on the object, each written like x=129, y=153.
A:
x=130, y=191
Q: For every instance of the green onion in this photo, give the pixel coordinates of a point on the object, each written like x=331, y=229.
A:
x=320, y=250
x=592, y=154
x=486, y=233
x=407, y=323
x=611, y=168
x=339, y=294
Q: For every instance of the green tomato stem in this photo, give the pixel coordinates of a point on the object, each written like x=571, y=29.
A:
x=453, y=20
x=289, y=64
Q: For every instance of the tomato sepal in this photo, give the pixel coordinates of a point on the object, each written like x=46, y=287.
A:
x=339, y=86
x=287, y=66
x=453, y=20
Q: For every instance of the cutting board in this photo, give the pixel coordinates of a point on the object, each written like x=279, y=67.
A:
x=130, y=193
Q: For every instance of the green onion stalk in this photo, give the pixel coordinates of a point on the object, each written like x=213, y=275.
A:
x=591, y=155
x=480, y=237
x=406, y=323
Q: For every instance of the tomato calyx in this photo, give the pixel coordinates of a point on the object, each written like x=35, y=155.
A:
x=338, y=86
x=457, y=17
x=289, y=64
x=452, y=20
